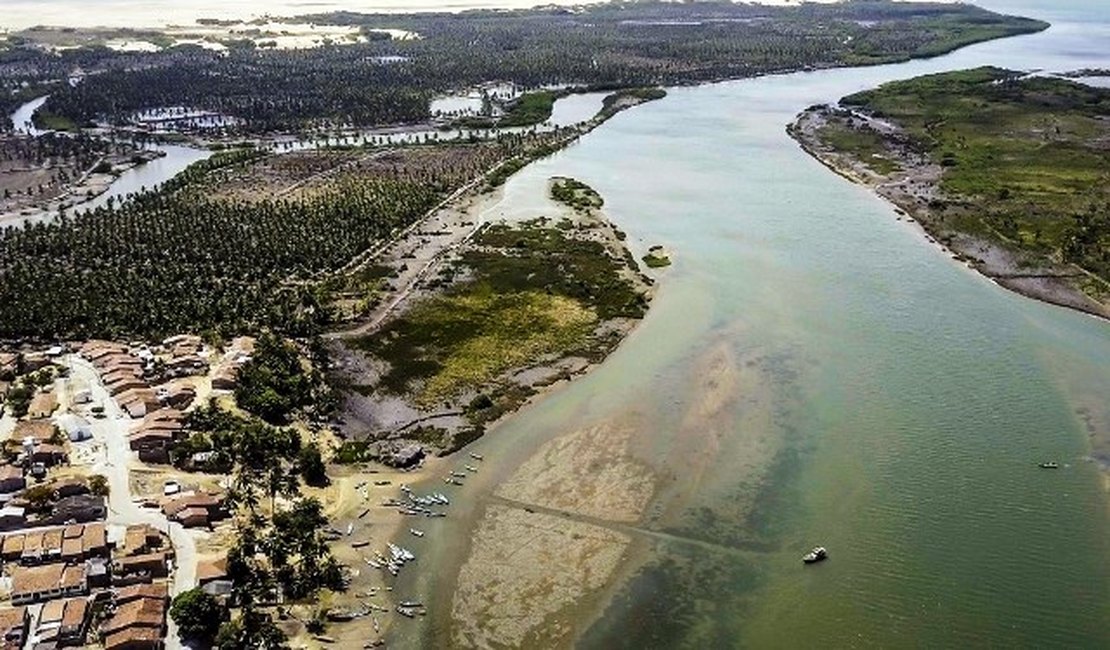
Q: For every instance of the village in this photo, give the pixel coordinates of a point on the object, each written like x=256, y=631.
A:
x=101, y=526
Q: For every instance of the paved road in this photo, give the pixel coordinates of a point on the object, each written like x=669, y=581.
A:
x=115, y=462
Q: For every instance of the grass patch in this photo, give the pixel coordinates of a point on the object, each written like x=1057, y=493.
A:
x=656, y=258
x=533, y=291
x=576, y=194
x=864, y=144
x=1026, y=157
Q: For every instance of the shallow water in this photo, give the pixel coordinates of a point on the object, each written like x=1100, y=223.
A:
x=813, y=371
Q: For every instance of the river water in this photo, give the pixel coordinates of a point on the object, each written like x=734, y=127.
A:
x=814, y=372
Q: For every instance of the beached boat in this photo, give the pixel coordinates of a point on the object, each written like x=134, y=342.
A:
x=816, y=555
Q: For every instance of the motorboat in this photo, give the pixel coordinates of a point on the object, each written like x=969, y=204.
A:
x=816, y=555
x=1051, y=464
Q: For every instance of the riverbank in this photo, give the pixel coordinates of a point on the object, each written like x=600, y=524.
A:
x=882, y=156
x=19, y=178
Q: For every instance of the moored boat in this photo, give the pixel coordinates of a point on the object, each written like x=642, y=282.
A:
x=816, y=555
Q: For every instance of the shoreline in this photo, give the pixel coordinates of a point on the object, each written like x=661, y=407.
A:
x=990, y=260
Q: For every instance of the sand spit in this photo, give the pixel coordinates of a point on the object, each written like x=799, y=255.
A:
x=587, y=472
x=525, y=569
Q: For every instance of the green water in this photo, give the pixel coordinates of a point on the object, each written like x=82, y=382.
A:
x=884, y=401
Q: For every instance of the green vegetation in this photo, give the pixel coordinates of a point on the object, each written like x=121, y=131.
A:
x=530, y=108
x=198, y=615
x=656, y=258
x=98, y=485
x=1025, y=160
x=532, y=291
x=279, y=545
x=18, y=399
x=185, y=258
x=274, y=383
x=576, y=194
x=864, y=143
x=609, y=45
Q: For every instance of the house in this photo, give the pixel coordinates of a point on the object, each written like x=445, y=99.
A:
x=64, y=622
x=211, y=570
x=70, y=544
x=42, y=405
x=138, y=402
x=151, y=591
x=12, y=517
x=68, y=487
x=407, y=456
x=36, y=430
x=139, y=638
x=194, y=509
x=139, y=539
x=75, y=428
x=225, y=377
x=119, y=381
x=140, y=568
x=178, y=395
x=40, y=583
x=137, y=624
x=14, y=622
x=48, y=454
x=11, y=479
x=80, y=509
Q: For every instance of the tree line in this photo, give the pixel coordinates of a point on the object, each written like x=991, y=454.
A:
x=609, y=45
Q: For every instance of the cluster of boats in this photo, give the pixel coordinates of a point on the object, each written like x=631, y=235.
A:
x=416, y=505
x=398, y=556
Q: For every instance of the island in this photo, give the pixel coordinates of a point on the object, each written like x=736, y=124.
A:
x=1006, y=170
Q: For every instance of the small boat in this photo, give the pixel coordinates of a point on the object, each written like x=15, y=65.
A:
x=350, y=529
x=816, y=555
x=417, y=533
x=360, y=544
x=471, y=468
x=1051, y=464
x=411, y=604
x=476, y=456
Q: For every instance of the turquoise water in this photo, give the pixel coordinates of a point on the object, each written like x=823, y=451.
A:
x=813, y=371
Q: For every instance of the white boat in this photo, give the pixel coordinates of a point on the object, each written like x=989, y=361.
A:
x=471, y=468
x=417, y=533
x=476, y=456
x=816, y=555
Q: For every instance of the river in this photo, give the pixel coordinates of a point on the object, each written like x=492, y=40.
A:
x=812, y=371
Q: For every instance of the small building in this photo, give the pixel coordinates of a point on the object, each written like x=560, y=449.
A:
x=137, y=623
x=14, y=622
x=12, y=517
x=194, y=509
x=48, y=454
x=140, y=539
x=79, y=509
x=407, y=456
x=35, y=430
x=40, y=583
x=43, y=405
x=211, y=570
x=64, y=622
x=138, y=402
x=75, y=428
x=11, y=479
x=140, y=568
